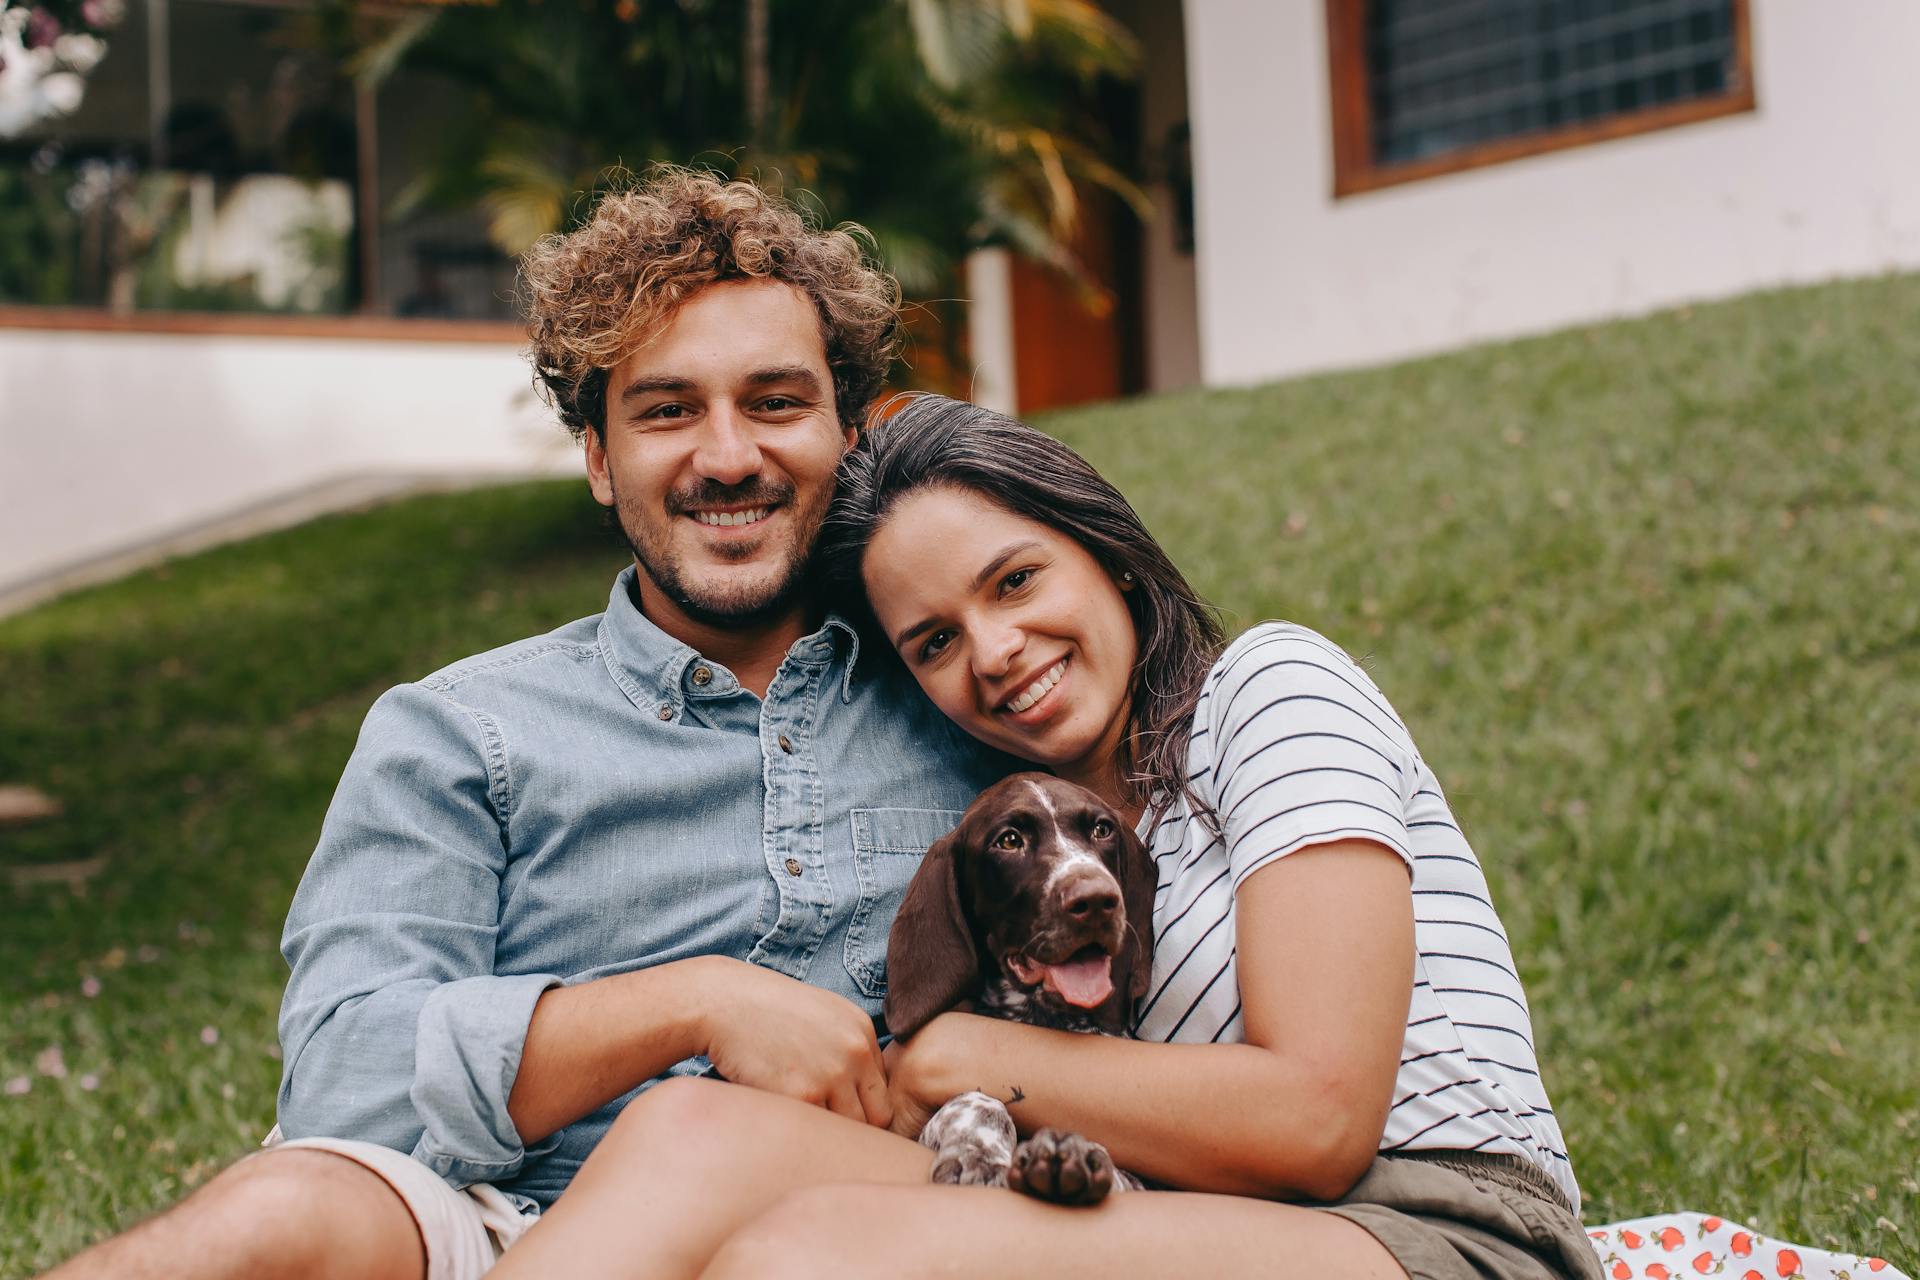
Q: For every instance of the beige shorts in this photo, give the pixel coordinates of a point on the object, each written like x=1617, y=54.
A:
x=465, y=1232
x=1464, y=1215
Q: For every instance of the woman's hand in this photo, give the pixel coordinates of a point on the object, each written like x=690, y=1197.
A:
x=918, y=1071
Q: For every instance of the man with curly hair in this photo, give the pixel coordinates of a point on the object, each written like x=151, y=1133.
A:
x=664, y=839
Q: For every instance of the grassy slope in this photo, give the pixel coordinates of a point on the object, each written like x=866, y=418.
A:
x=1642, y=592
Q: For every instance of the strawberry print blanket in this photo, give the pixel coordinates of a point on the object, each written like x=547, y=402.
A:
x=1679, y=1246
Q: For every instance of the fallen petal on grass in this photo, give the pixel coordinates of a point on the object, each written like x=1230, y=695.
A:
x=18, y=1085
x=51, y=1062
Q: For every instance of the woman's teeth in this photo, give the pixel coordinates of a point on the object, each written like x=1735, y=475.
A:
x=1039, y=688
x=727, y=519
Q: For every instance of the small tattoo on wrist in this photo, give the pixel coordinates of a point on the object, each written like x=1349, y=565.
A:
x=1019, y=1095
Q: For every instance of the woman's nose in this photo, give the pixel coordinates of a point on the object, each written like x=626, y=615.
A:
x=995, y=647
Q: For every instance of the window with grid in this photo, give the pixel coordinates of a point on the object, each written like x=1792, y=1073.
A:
x=1425, y=87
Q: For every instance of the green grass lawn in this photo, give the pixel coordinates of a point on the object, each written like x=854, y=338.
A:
x=1642, y=591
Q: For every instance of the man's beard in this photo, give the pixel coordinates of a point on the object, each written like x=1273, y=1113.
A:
x=723, y=604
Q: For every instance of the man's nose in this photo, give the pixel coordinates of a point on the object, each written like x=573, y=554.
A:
x=728, y=452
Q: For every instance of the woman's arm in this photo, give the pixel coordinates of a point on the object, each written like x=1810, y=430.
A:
x=1326, y=960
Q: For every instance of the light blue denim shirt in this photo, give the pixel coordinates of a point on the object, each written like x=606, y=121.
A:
x=592, y=801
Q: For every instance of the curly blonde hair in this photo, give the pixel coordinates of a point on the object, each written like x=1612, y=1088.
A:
x=596, y=294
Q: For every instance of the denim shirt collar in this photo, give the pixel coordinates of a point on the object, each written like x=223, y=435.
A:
x=651, y=667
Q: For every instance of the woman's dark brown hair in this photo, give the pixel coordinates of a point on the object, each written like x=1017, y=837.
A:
x=937, y=443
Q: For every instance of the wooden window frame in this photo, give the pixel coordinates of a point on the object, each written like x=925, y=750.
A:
x=1354, y=169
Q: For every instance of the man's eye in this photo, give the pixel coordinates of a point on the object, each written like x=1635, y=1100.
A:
x=778, y=404
x=667, y=411
x=1102, y=829
x=935, y=645
x=1008, y=839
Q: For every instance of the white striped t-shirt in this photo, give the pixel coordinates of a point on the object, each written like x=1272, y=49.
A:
x=1294, y=746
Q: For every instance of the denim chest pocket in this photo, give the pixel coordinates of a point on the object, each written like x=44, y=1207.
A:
x=887, y=847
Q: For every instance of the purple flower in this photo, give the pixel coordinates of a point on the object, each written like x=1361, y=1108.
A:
x=99, y=14
x=42, y=29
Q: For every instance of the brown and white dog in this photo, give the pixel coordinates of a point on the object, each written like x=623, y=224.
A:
x=1037, y=908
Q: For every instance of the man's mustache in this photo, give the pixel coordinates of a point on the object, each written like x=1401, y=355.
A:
x=753, y=493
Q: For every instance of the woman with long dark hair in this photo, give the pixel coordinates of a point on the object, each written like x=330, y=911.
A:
x=1333, y=1063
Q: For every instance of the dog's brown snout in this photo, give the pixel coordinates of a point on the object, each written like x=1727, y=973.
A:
x=1090, y=898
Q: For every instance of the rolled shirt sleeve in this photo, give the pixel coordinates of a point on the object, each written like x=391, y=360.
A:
x=395, y=1028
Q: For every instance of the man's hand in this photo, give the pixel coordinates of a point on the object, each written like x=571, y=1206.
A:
x=773, y=1032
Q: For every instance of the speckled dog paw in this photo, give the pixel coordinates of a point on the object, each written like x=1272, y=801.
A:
x=1062, y=1168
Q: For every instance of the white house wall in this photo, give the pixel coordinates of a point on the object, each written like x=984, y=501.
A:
x=117, y=441
x=1822, y=181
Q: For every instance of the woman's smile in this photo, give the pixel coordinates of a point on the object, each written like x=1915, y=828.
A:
x=1036, y=702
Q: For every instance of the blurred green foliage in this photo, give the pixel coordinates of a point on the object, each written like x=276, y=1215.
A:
x=939, y=125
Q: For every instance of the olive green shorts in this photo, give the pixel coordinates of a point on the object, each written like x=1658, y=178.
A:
x=1467, y=1215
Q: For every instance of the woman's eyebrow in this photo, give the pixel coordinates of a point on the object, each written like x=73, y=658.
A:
x=992, y=567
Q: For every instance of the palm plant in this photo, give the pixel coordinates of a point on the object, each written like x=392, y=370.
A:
x=941, y=125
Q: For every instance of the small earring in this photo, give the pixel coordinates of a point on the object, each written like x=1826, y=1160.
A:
x=1126, y=579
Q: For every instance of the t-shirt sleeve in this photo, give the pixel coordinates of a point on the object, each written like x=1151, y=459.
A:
x=1305, y=751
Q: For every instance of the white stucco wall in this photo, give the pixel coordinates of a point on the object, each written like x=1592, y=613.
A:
x=110, y=441
x=1822, y=181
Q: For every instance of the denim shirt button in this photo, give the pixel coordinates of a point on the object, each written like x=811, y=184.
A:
x=793, y=866
x=703, y=676
x=666, y=711
x=786, y=744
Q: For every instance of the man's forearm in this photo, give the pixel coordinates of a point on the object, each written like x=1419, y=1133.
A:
x=589, y=1044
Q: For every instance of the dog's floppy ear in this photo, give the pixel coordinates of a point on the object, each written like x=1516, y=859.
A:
x=931, y=962
x=1139, y=881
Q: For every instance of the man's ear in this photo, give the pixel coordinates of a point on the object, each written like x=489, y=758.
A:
x=931, y=962
x=1139, y=880
x=599, y=477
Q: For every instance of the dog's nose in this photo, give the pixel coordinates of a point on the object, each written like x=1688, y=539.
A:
x=1090, y=899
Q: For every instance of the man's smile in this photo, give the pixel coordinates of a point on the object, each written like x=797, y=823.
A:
x=732, y=519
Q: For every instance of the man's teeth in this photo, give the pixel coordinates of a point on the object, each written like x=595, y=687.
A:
x=727, y=519
x=1039, y=688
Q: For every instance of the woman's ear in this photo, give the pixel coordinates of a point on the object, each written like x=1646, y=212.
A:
x=931, y=962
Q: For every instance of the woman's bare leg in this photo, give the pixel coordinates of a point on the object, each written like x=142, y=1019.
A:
x=856, y=1233
x=686, y=1165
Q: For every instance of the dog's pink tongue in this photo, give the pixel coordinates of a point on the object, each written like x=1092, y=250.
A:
x=1085, y=983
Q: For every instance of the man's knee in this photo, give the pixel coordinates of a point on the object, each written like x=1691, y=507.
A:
x=279, y=1213
x=305, y=1212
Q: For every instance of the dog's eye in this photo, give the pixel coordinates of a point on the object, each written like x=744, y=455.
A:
x=1102, y=829
x=1008, y=839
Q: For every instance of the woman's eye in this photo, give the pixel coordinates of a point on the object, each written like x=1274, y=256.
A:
x=935, y=645
x=1102, y=829
x=1007, y=840
x=1016, y=580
